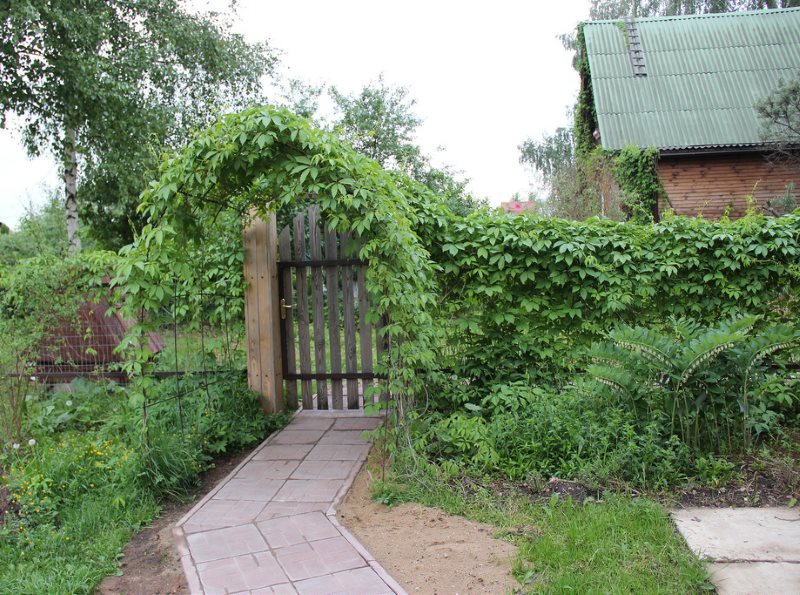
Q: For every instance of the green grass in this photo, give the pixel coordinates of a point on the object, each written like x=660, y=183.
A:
x=85, y=482
x=76, y=556
x=616, y=545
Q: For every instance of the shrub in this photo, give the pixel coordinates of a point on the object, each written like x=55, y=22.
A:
x=711, y=383
x=539, y=433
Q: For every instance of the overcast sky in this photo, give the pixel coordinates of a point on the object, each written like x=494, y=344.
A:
x=485, y=76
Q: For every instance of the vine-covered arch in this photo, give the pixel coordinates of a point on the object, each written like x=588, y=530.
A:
x=257, y=160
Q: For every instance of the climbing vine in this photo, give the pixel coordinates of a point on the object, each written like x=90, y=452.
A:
x=585, y=114
x=252, y=162
x=521, y=296
x=636, y=174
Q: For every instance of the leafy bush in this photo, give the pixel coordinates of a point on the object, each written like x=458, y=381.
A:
x=36, y=296
x=538, y=433
x=655, y=409
x=707, y=381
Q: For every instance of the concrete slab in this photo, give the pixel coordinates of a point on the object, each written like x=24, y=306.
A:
x=337, y=452
x=748, y=534
x=323, y=470
x=344, y=437
x=765, y=578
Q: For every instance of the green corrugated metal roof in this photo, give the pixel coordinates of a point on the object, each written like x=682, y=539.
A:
x=704, y=75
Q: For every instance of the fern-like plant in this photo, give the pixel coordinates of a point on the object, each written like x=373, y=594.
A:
x=699, y=380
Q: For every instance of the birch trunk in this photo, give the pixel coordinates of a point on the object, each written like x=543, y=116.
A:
x=71, y=189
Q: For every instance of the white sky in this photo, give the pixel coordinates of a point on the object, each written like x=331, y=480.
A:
x=485, y=75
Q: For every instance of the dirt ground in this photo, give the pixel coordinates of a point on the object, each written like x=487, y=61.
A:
x=150, y=563
x=426, y=550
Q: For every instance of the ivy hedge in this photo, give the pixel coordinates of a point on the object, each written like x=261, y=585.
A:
x=521, y=296
x=491, y=296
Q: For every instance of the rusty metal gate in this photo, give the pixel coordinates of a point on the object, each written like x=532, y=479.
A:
x=327, y=344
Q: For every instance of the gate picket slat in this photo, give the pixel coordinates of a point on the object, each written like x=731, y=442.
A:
x=331, y=253
x=365, y=330
x=317, y=296
x=349, y=327
x=285, y=253
x=302, y=310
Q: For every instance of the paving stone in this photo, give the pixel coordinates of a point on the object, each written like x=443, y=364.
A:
x=363, y=581
x=308, y=490
x=267, y=469
x=310, y=421
x=280, y=509
x=285, y=531
x=260, y=490
x=266, y=527
x=307, y=560
x=283, y=452
x=241, y=573
x=344, y=437
x=282, y=589
x=755, y=577
x=729, y=534
x=324, y=470
x=226, y=543
x=216, y=514
x=337, y=452
x=357, y=423
x=288, y=436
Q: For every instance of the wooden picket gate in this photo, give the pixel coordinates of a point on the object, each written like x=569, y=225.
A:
x=323, y=311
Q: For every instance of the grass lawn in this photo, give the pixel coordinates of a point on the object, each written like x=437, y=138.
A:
x=616, y=545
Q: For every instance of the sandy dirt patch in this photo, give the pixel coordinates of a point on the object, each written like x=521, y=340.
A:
x=427, y=550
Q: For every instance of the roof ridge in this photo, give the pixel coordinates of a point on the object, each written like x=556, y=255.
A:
x=681, y=17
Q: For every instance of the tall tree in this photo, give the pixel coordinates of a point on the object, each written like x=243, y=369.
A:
x=105, y=85
x=381, y=123
x=614, y=9
x=780, y=118
x=42, y=230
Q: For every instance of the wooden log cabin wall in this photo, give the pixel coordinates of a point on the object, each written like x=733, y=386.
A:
x=713, y=185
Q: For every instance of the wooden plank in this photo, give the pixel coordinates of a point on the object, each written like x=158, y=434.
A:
x=285, y=252
x=262, y=315
x=251, y=310
x=331, y=253
x=365, y=329
x=349, y=330
x=302, y=310
x=272, y=362
x=317, y=298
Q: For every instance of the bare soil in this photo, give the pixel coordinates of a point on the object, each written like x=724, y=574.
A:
x=150, y=564
x=754, y=484
x=426, y=550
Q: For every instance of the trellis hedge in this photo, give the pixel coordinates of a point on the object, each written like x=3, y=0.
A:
x=520, y=296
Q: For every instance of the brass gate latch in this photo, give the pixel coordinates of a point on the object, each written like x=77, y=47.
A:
x=284, y=307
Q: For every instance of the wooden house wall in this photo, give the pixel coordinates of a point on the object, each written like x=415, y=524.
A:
x=712, y=185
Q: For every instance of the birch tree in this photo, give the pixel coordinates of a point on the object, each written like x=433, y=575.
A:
x=105, y=85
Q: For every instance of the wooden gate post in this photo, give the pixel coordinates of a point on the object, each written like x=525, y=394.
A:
x=262, y=314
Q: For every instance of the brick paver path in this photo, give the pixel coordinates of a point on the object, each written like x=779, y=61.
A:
x=270, y=526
